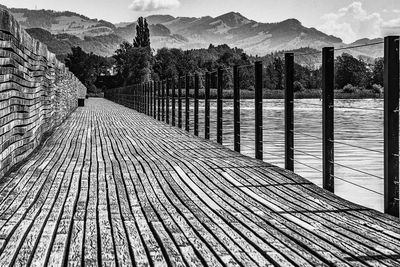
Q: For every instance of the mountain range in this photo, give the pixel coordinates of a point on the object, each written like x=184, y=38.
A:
x=61, y=30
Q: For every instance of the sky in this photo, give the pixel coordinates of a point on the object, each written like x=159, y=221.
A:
x=347, y=19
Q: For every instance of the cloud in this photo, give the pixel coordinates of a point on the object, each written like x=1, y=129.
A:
x=391, y=27
x=153, y=5
x=352, y=22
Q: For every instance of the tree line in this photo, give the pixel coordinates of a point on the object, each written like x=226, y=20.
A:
x=136, y=62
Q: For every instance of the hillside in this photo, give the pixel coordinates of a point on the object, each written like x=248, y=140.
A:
x=62, y=22
x=238, y=31
x=60, y=44
x=64, y=29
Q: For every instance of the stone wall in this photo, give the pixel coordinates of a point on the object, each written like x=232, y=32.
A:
x=37, y=92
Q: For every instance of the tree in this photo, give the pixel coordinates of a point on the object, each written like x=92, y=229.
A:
x=134, y=61
x=275, y=74
x=166, y=62
x=133, y=64
x=377, y=72
x=142, y=38
x=87, y=67
x=350, y=70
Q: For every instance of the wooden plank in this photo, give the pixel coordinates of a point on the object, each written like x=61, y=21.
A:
x=115, y=187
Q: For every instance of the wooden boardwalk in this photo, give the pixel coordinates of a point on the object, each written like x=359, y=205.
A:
x=114, y=187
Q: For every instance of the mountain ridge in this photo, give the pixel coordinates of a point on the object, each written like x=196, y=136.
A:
x=231, y=28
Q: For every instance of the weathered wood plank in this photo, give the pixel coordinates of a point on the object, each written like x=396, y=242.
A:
x=115, y=187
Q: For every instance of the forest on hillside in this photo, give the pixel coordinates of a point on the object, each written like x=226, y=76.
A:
x=136, y=62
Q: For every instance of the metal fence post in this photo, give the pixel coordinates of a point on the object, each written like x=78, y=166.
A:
x=173, y=101
x=258, y=110
x=236, y=109
x=168, y=86
x=153, y=86
x=328, y=118
x=219, y=105
x=149, y=108
x=163, y=100
x=196, y=104
x=142, y=98
x=136, y=97
x=289, y=111
x=158, y=101
x=187, y=103
x=148, y=98
x=145, y=98
x=391, y=126
x=179, y=102
x=207, y=107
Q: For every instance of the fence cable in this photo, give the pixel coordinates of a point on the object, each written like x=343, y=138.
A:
x=357, y=185
x=358, y=46
x=309, y=166
x=308, y=135
x=306, y=153
x=355, y=146
x=356, y=170
x=365, y=109
x=310, y=104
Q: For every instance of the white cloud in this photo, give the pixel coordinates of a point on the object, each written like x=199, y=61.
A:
x=391, y=27
x=354, y=22
x=153, y=5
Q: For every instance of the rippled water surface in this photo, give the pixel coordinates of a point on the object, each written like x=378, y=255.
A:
x=358, y=123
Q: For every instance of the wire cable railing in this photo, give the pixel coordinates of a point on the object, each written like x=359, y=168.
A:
x=309, y=104
x=364, y=108
x=298, y=157
x=358, y=46
x=307, y=154
x=337, y=49
x=357, y=185
x=306, y=165
x=307, y=135
x=357, y=170
x=359, y=147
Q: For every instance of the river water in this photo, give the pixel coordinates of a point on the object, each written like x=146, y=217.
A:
x=358, y=123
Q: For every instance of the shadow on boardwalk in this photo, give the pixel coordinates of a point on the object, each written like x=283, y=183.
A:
x=113, y=186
